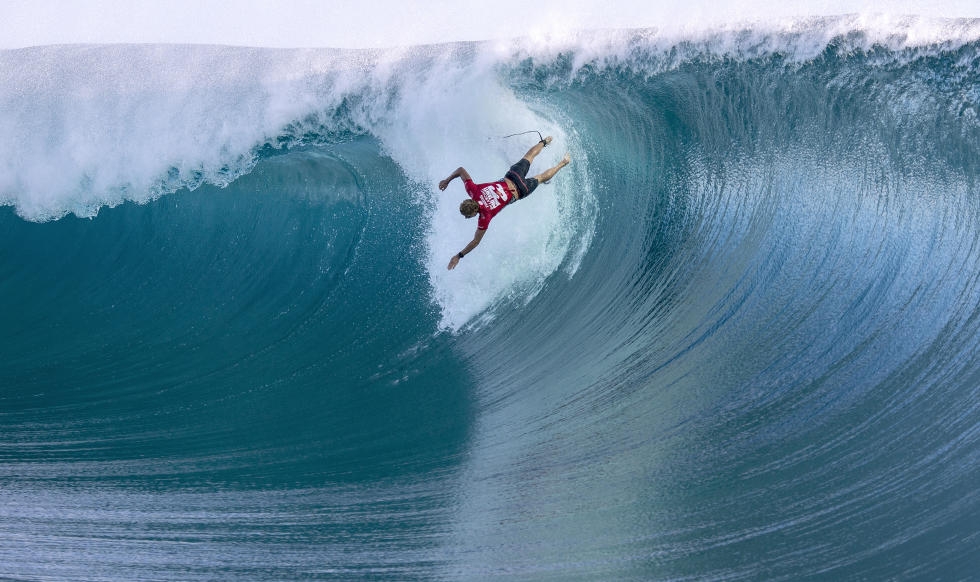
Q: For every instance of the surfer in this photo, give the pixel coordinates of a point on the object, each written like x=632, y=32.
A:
x=487, y=200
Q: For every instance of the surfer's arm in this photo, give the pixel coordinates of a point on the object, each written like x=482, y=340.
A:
x=459, y=173
x=476, y=240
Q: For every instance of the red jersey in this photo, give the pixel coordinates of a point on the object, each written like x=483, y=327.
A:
x=492, y=197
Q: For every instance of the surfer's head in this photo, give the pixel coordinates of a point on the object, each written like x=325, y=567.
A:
x=469, y=208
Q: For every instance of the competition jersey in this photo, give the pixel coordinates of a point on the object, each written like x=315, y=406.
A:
x=492, y=197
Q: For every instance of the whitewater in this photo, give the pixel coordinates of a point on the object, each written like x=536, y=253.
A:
x=734, y=340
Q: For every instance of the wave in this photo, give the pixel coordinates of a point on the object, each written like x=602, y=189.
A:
x=733, y=340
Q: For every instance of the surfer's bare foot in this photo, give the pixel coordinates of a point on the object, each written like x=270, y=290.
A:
x=547, y=140
x=548, y=174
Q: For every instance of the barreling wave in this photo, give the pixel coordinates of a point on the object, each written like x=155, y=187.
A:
x=735, y=339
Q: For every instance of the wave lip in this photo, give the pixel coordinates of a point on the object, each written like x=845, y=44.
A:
x=341, y=25
x=91, y=126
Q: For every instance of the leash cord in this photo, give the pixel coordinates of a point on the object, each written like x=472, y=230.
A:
x=523, y=133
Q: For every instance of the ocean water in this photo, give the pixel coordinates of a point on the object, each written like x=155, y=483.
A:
x=736, y=339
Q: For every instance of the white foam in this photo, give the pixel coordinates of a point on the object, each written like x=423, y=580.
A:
x=84, y=127
x=389, y=23
x=796, y=39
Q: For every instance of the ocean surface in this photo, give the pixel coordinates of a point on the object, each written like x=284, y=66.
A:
x=736, y=339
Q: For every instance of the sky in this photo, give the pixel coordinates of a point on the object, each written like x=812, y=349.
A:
x=388, y=23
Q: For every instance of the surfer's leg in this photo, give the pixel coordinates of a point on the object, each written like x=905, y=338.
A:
x=550, y=172
x=536, y=149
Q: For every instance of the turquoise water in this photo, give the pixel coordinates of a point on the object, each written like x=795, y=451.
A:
x=734, y=340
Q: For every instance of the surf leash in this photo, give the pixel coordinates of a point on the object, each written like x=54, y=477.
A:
x=525, y=133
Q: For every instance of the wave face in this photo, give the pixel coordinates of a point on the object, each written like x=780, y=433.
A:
x=736, y=339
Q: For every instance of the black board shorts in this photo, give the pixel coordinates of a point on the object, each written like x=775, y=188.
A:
x=517, y=174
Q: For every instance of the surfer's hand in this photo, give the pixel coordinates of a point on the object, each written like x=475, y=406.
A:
x=443, y=184
x=453, y=262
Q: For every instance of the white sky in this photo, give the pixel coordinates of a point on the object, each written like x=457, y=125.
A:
x=385, y=23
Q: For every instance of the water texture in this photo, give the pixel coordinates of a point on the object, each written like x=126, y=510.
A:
x=735, y=340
